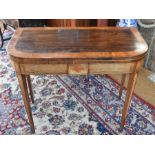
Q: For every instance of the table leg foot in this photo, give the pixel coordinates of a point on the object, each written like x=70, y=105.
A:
x=33, y=131
x=121, y=129
x=24, y=91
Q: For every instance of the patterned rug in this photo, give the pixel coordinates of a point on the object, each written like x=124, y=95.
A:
x=70, y=105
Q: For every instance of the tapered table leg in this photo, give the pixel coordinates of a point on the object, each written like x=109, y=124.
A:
x=24, y=91
x=30, y=87
x=130, y=89
x=122, y=85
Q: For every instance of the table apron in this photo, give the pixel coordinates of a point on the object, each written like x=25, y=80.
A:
x=77, y=69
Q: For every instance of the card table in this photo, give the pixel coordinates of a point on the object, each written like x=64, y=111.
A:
x=76, y=51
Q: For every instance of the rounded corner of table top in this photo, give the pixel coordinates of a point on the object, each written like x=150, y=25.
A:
x=13, y=41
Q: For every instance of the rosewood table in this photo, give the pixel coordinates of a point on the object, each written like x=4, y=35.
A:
x=76, y=51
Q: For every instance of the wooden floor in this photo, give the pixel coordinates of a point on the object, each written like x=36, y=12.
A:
x=145, y=88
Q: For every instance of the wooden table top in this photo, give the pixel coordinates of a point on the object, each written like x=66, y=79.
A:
x=77, y=43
